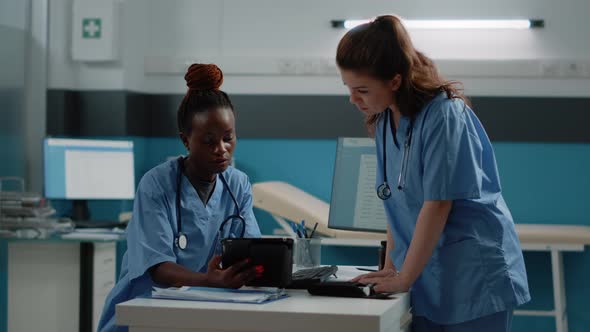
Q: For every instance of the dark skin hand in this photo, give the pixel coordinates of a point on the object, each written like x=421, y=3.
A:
x=234, y=276
x=175, y=275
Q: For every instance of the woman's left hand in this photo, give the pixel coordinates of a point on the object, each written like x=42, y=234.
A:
x=393, y=283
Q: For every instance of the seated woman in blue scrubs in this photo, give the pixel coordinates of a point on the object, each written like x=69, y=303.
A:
x=450, y=232
x=184, y=206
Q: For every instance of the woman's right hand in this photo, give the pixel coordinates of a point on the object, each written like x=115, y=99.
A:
x=234, y=276
x=382, y=273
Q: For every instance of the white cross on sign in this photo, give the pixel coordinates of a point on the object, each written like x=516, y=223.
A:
x=91, y=28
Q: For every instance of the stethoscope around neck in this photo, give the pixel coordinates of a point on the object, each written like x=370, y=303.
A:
x=181, y=240
x=384, y=190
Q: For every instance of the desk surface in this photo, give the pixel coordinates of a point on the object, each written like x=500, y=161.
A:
x=531, y=236
x=57, y=239
x=538, y=233
x=79, y=235
x=299, y=312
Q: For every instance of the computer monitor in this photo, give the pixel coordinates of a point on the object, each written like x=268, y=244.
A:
x=354, y=204
x=83, y=169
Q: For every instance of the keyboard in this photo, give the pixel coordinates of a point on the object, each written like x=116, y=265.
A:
x=341, y=289
x=304, y=278
x=99, y=224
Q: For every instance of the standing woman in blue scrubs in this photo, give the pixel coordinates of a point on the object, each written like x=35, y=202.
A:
x=203, y=182
x=450, y=232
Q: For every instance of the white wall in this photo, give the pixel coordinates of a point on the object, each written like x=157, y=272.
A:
x=13, y=39
x=67, y=74
x=35, y=91
x=257, y=42
x=23, y=86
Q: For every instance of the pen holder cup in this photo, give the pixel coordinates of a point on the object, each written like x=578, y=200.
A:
x=307, y=252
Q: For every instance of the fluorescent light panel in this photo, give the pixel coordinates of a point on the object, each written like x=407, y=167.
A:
x=454, y=24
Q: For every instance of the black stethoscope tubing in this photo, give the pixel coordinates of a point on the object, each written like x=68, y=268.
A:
x=384, y=190
x=181, y=240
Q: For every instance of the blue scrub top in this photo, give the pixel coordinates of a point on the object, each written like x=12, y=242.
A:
x=153, y=228
x=477, y=267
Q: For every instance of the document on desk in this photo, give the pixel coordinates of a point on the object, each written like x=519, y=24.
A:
x=95, y=234
x=350, y=272
x=243, y=295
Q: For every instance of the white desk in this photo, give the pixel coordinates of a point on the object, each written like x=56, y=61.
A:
x=76, y=275
x=297, y=313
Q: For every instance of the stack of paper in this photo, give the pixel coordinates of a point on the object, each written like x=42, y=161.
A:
x=98, y=234
x=219, y=294
x=27, y=214
x=24, y=204
x=350, y=272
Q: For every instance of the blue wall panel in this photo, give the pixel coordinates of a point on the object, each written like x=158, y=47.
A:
x=546, y=183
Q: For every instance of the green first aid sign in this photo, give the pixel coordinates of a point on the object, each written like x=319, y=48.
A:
x=91, y=28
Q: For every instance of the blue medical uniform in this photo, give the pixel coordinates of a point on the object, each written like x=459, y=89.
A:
x=153, y=228
x=477, y=268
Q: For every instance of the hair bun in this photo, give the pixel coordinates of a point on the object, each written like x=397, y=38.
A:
x=203, y=77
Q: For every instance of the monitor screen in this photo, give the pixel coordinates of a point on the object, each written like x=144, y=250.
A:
x=354, y=204
x=88, y=169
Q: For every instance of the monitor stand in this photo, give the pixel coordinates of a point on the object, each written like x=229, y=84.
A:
x=80, y=211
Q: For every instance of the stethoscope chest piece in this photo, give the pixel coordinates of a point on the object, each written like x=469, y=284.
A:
x=181, y=241
x=384, y=191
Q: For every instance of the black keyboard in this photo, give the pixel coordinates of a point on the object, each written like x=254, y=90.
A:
x=304, y=278
x=99, y=224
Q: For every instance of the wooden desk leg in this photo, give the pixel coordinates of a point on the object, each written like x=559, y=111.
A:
x=559, y=291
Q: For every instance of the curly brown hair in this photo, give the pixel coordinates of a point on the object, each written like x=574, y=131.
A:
x=203, y=82
x=382, y=49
